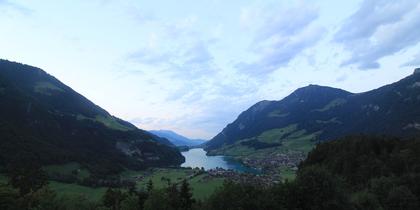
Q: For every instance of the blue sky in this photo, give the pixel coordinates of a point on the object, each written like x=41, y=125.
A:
x=193, y=66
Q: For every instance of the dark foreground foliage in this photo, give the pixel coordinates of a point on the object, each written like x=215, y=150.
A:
x=355, y=173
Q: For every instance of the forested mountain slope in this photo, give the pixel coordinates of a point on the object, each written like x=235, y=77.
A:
x=47, y=121
x=315, y=113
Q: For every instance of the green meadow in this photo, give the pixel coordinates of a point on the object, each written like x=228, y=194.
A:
x=202, y=185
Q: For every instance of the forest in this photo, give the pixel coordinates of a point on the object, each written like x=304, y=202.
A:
x=355, y=173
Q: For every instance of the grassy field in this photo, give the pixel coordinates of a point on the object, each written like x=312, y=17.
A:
x=290, y=138
x=296, y=141
x=74, y=190
x=67, y=169
x=108, y=121
x=46, y=87
x=202, y=186
x=332, y=104
x=159, y=175
x=70, y=190
x=287, y=173
x=276, y=135
x=277, y=113
x=3, y=179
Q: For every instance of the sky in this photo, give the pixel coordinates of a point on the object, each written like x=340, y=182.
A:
x=193, y=66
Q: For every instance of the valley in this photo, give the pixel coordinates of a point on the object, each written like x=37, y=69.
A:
x=275, y=136
x=64, y=144
x=210, y=105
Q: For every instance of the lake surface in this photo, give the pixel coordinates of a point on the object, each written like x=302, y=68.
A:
x=197, y=158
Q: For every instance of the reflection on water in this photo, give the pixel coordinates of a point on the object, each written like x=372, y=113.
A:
x=198, y=158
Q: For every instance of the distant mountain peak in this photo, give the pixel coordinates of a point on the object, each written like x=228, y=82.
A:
x=313, y=87
x=176, y=138
x=314, y=92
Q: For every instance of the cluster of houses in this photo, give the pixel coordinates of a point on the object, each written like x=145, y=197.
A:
x=272, y=162
x=239, y=177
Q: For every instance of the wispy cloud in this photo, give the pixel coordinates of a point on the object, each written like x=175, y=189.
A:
x=415, y=61
x=8, y=5
x=177, y=48
x=284, y=34
x=378, y=29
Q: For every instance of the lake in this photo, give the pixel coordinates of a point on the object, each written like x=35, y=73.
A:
x=197, y=158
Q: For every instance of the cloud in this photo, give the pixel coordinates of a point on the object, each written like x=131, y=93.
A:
x=378, y=29
x=187, y=60
x=341, y=78
x=415, y=61
x=8, y=5
x=176, y=48
x=197, y=54
x=281, y=37
x=150, y=57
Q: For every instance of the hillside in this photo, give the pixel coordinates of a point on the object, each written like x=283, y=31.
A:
x=177, y=139
x=46, y=121
x=315, y=114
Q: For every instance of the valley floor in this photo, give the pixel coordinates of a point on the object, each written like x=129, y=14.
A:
x=202, y=184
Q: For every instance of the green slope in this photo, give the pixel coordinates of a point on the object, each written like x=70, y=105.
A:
x=46, y=121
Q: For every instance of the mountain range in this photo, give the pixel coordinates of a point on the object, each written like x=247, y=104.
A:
x=177, y=139
x=47, y=121
x=315, y=114
x=44, y=120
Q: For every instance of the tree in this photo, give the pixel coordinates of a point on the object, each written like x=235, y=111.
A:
x=381, y=187
x=366, y=201
x=186, y=196
x=149, y=186
x=401, y=198
x=232, y=196
x=320, y=190
x=142, y=197
x=157, y=200
x=132, y=188
x=26, y=175
x=173, y=196
x=8, y=198
x=130, y=203
x=80, y=203
x=44, y=198
x=113, y=198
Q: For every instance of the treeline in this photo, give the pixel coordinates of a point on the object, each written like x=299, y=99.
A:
x=92, y=180
x=33, y=193
x=354, y=173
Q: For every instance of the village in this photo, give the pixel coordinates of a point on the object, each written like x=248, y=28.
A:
x=270, y=163
x=264, y=180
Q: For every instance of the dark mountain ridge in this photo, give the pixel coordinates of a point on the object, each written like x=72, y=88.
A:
x=330, y=113
x=44, y=119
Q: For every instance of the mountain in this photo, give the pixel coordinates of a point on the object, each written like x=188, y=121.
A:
x=315, y=113
x=176, y=139
x=46, y=120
